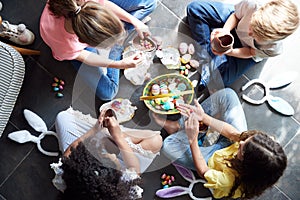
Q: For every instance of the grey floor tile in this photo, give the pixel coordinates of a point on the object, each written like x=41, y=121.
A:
x=11, y=153
x=272, y=193
x=289, y=183
x=261, y=118
x=38, y=96
x=178, y=7
x=32, y=179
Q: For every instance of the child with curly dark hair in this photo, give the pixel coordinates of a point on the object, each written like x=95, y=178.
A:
x=103, y=163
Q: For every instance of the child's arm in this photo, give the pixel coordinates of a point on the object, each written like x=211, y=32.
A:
x=131, y=161
x=93, y=59
x=125, y=16
x=231, y=22
x=74, y=144
x=244, y=52
x=192, y=131
x=222, y=127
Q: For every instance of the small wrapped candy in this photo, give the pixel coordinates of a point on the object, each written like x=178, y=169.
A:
x=55, y=89
x=155, y=89
x=191, y=49
x=186, y=58
x=56, y=79
x=59, y=95
x=167, y=180
x=194, y=63
x=183, y=47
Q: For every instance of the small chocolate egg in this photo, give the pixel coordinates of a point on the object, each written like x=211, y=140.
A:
x=56, y=79
x=183, y=47
x=164, y=91
x=191, y=49
x=54, y=84
x=155, y=89
x=186, y=58
x=59, y=95
x=55, y=89
x=186, y=72
x=194, y=63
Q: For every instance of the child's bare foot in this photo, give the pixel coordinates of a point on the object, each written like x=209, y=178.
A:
x=170, y=126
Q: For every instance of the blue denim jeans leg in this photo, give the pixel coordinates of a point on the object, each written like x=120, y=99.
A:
x=137, y=8
x=203, y=17
x=225, y=103
x=105, y=85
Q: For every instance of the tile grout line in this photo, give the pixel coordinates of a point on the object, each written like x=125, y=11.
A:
x=282, y=192
x=172, y=12
x=9, y=175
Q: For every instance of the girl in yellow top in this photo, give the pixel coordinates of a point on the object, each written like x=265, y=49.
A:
x=244, y=168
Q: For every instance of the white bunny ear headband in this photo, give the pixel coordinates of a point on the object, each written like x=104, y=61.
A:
x=175, y=191
x=37, y=124
x=277, y=103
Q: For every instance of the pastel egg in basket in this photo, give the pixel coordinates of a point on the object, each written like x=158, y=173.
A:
x=170, y=89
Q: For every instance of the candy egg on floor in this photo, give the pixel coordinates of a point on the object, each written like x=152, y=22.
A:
x=183, y=47
x=186, y=58
x=194, y=63
x=191, y=49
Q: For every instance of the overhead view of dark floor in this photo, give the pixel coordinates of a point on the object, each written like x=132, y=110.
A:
x=25, y=172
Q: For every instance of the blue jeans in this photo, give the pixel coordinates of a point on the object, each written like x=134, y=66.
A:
x=203, y=17
x=137, y=8
x=106, y=86
x=225, y=103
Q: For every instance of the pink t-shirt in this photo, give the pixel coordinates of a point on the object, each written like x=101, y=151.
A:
x=64, y=45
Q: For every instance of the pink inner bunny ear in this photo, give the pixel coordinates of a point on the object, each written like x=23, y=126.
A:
x=187, y=174
x=173, y=191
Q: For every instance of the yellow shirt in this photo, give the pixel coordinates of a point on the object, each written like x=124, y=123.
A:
x=220, y=177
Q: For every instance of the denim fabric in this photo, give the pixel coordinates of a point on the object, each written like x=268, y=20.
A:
x=105, y=85
x=137, y=8
x=225, y=103
x=203, y=17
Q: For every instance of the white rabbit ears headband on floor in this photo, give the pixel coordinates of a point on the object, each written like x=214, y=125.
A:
x=277, y=82
x=37, y=124
x=175, y=191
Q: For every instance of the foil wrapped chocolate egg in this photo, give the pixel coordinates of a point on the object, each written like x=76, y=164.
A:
x=155, y=89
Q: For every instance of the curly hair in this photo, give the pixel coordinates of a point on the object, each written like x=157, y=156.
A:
x=263, y=163
x=90, y=176
x=93, y=24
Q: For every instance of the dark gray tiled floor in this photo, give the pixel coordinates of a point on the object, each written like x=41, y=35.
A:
x=25, y=172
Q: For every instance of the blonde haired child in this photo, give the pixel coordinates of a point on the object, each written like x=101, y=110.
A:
x=258, y=26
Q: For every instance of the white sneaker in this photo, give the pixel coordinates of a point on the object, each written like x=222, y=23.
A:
x=18, y=34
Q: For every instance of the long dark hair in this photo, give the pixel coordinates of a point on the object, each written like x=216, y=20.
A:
x=89, y=176
x=263, y=163
x=93, y=24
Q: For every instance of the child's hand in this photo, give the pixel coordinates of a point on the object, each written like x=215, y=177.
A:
x=187, y=110
x=133, y=60
x=215, y=33
x=110, y=122
x=142, y=29
x=192, y=127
